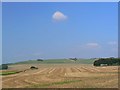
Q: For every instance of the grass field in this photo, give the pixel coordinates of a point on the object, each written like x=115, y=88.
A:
x=8, y=73
x=61, y=74
x=58, y=61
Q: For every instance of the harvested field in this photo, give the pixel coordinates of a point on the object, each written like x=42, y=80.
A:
x=61, y=76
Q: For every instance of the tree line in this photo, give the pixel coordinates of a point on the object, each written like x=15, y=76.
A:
x=107, y=61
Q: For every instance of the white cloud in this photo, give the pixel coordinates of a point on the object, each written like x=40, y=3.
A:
x=59, y=16
x=92, y=45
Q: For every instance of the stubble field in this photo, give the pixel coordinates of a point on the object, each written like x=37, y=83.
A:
x=61, y=76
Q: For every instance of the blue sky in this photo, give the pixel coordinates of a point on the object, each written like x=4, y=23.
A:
x=59, y=30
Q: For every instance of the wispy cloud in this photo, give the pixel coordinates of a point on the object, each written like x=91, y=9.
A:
x=112, y=43
x=88, y=47
x=92, y=45
x=59, y=16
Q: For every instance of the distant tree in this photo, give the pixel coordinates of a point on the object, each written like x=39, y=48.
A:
x=112, y=57
x=39, y=60
x=3, y=66
x=73, y=59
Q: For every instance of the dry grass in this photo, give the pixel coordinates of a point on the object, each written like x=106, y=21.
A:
x=62, y=76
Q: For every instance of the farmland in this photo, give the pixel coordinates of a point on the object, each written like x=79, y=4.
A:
x=60, y=74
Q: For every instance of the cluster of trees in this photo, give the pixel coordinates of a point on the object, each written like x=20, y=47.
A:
x=73, y=59
x=107, y=61
x=39, y=59
x=3, y=66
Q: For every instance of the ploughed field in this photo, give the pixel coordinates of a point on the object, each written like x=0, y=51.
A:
x=61, y=76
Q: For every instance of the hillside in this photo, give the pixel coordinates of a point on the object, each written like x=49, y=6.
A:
x=58, y=61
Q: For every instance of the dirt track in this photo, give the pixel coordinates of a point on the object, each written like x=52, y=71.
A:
x=63, y=76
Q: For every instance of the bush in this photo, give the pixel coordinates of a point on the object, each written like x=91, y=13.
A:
x=3, y=66
x=33, y=67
